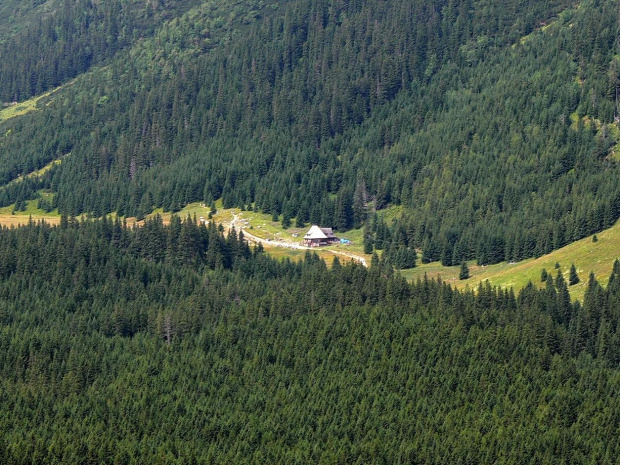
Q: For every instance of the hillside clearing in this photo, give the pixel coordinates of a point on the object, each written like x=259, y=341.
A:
x=588, y=257
x=277, y=241
x=21, y=108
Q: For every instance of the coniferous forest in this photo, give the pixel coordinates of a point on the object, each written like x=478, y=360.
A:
x=492, y=126
x=176, y=344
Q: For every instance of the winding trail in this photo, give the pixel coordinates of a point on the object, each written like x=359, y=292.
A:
x=289, y=245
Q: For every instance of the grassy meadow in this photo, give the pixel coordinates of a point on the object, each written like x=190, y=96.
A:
x=262, y=226
x=22, y=108
x=9, y=217
x=588, y=257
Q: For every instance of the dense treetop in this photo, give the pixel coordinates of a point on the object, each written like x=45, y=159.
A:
x=175, y=344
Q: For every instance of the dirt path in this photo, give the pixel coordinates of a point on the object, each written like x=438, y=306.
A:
x=290, y=245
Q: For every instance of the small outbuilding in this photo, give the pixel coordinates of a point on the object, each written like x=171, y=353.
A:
x=317, y=237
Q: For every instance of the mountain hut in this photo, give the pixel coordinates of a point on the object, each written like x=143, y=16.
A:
x=317, y=237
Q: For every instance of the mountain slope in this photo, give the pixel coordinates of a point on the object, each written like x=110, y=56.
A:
x=67, y=38
x=501, y=169
x=322, y=111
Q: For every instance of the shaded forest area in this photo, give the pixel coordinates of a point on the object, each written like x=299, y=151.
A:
x=69, y=37
x=175, y=344
x=492, y=124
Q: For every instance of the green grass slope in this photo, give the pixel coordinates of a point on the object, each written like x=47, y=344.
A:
x=588, y=257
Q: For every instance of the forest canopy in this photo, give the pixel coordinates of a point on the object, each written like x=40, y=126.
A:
x=175, y=344
x=491, y=124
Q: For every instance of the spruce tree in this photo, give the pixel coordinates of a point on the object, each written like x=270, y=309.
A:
x=573, y=278
x=464, y=273
x=286, y=221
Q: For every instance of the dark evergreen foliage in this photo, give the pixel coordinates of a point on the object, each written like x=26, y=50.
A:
x=327, y=111
x=464, y=272
x=573, y=278
x=489, y=123
x=73, y=36
x=140, y=346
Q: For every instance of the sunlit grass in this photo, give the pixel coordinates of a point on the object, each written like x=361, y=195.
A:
x=10, y=217
x=21, y=108
x=588, y=257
